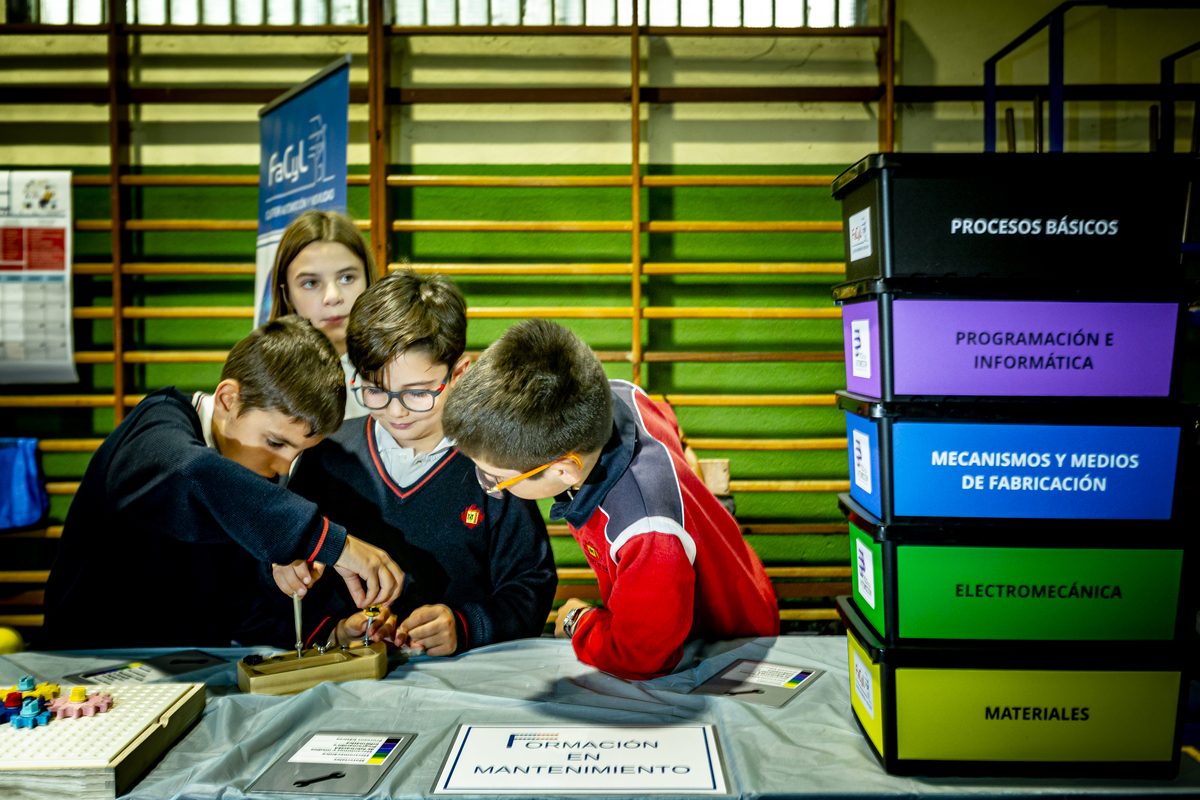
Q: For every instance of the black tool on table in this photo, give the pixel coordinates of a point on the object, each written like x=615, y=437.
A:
x=331, y=776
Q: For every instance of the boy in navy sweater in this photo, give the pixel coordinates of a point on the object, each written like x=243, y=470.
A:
x=478, y=569
x=179, y=503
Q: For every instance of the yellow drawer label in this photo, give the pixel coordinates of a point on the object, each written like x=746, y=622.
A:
x=1035, y=715
x=865, y=692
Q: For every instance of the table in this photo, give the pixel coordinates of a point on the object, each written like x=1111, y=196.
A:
x=809, y=748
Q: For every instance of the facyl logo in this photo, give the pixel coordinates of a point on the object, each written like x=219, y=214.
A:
x=531, y=737
x=300, y=165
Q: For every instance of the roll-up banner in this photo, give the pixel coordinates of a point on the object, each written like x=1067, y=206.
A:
x=302, y=164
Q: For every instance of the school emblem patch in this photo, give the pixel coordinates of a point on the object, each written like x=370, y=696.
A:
x=472, y=516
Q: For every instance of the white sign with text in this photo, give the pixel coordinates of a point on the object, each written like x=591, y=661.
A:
x=860, y=235
x=860, y=340
x=554, y=759
x=862, y=460
x=864, y=685
x=866, y=572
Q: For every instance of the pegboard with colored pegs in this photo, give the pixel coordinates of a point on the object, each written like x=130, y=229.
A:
x=97, y=756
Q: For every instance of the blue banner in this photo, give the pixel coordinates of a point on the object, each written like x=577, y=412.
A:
x=945, y=469
x=302, y=164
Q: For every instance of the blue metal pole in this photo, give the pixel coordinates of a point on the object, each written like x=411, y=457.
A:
x=1166, y=135
x=989, y=106
x=1056, y=81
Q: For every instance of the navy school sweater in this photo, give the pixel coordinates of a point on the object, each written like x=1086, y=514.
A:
x=487, y=559
x=160, y=544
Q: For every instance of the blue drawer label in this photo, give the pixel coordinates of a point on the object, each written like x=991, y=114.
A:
x=945, y=469
x=863, y=445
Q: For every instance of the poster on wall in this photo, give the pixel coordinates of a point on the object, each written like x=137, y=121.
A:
x=35, y=278
x=302, y=163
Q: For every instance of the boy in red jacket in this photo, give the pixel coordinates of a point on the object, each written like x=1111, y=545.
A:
x=539, y=418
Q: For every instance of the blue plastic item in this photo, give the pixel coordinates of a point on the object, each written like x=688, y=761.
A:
x=23, y=499
x=33, y=713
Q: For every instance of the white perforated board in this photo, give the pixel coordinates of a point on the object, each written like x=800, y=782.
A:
x=90, y=741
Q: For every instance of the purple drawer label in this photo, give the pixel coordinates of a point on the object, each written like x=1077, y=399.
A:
x=860, y=334
x=1017, y=348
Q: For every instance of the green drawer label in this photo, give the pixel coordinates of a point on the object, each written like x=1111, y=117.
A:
x=1035, y=715
x=866, y=564
x=1036, y=593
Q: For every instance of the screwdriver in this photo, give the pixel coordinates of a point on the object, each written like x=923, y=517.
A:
x=299, y=630
x=372, y=612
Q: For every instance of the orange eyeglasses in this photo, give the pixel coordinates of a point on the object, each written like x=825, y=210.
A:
x=495, y=488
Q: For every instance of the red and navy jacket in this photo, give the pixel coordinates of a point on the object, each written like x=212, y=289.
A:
x=671, y=561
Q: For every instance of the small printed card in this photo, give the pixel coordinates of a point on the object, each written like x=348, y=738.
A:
x=866, y=571
x=341, y=748
x=332, y=763
x=864, y=686
x=136, y=672
x=860, y=234
x=148, y=671
x=759, y=682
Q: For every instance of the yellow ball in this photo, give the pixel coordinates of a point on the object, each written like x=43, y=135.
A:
x=10, y=641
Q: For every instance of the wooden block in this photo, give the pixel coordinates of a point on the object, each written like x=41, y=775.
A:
x=288, y=674
x=716, y=475
x=100, y=757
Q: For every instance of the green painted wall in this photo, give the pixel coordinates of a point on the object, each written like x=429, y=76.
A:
x=525, y=204
x=522, y=204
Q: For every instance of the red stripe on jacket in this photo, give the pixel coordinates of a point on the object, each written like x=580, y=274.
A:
x=321, y=541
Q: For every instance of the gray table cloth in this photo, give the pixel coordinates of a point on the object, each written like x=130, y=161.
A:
x=809, y=748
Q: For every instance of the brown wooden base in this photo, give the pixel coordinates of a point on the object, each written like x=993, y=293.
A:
x=288, y=674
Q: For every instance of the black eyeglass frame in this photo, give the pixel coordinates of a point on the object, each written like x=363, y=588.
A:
x=433, y=393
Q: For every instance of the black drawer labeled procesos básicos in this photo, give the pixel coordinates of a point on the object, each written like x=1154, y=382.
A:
x=1080, y=220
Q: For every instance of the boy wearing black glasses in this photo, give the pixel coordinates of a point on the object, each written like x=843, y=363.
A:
x=478, y=569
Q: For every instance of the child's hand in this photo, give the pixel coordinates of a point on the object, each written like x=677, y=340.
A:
x=430, y=628
x=383, y=627
x=573, y=602
x=297, y=576
x=362, y=563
